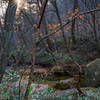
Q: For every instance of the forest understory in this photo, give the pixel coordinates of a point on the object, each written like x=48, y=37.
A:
x=49, y=50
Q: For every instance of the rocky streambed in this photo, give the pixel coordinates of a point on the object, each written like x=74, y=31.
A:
x=59, y=84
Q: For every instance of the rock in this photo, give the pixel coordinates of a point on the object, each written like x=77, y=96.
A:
x=62, y=86
x=69, y=69
x=92, y=74
x=68, y=81
x=57, y=70
x=40, y=71
x=65, y=92
x=39, y=87
x=73, y=94
x=66, y=84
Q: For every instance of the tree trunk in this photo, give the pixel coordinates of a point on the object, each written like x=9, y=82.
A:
x=73, y=23
x=6, y=36
x=44, y=23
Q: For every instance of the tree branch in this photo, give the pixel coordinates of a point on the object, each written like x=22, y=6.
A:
x=42, y=12
x=69, y=21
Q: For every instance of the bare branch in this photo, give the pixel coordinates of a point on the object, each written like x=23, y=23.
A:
x=42, y=12
x=69, y=21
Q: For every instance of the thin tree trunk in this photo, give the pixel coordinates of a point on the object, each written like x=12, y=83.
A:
x=73, y=23
x=59, y=19
x=94, y=26
x=45, y=26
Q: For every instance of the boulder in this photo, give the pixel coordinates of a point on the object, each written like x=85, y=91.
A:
x=92, y=73
x=73, y=94
x=66, y=84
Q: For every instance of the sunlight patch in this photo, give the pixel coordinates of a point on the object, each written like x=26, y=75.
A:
x=19, y=3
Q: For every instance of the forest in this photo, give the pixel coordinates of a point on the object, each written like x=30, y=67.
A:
x=49, y=50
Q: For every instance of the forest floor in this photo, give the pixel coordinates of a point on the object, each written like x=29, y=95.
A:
x=41, y=89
